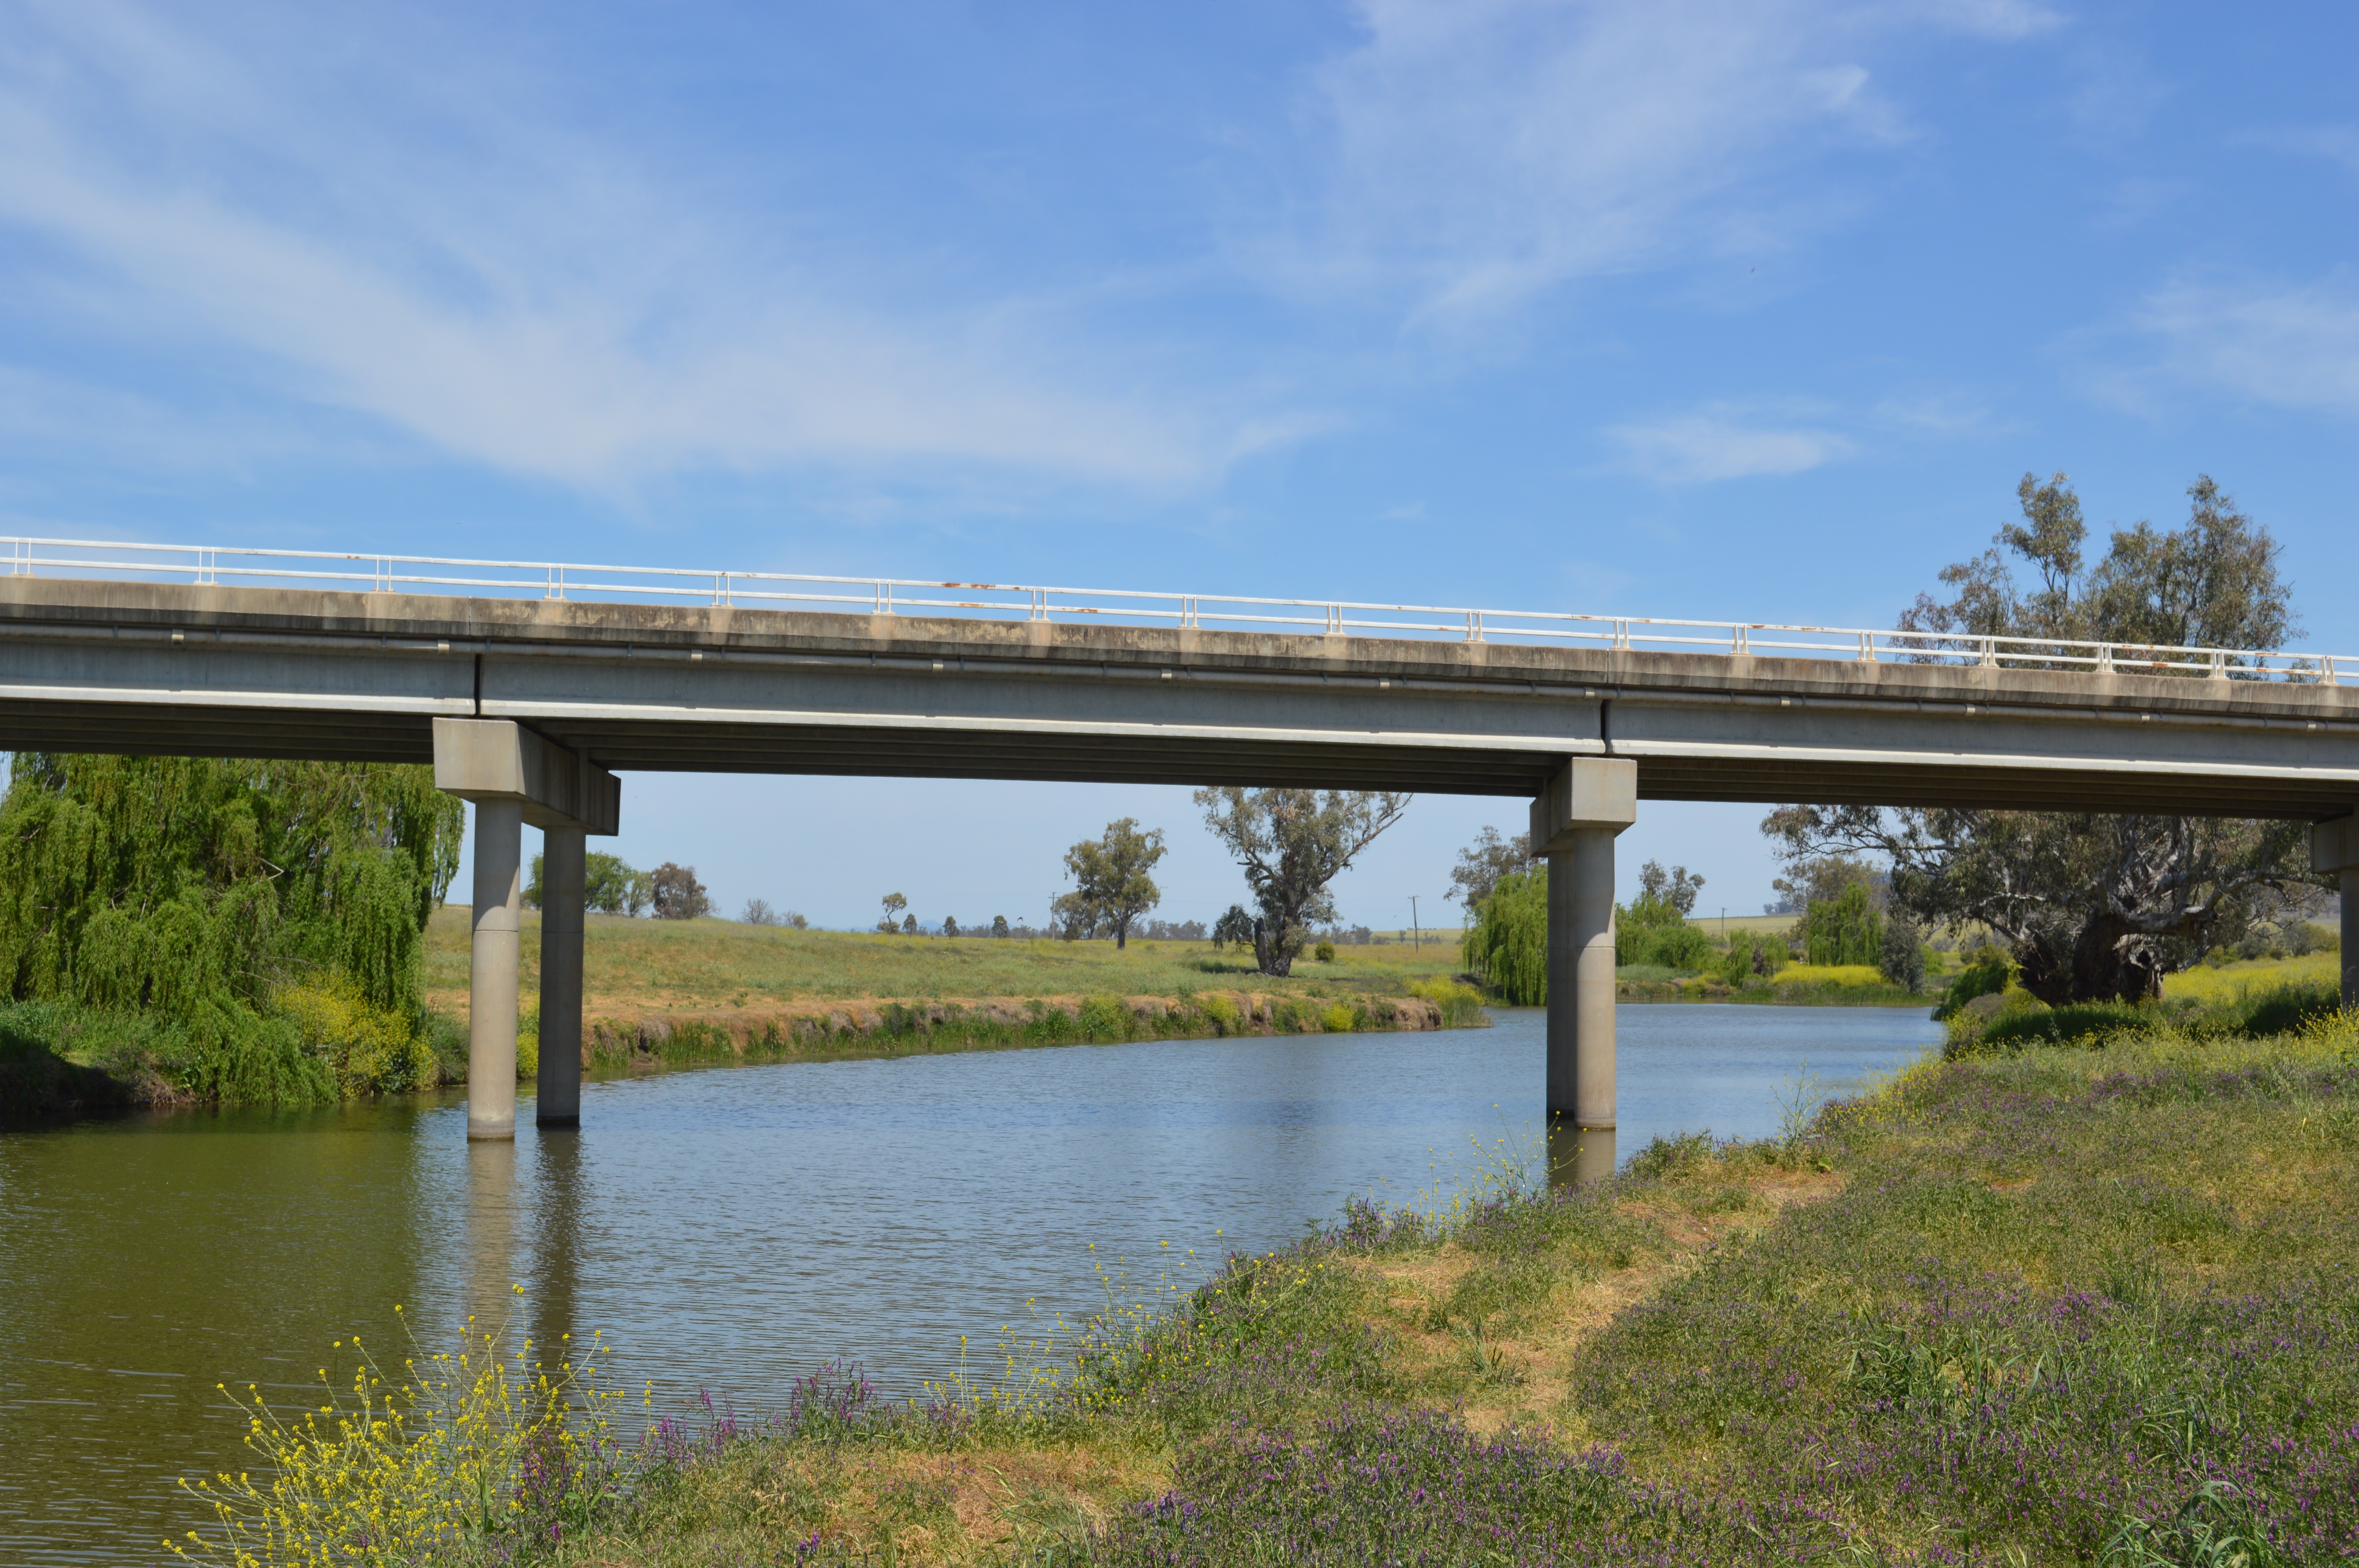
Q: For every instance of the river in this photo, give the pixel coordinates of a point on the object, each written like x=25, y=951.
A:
x=728, y=1228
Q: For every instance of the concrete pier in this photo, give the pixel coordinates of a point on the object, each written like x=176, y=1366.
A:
x=492, y=970
x=1574, y=823
x=2334, y=847
x=516, y=777
x=558, y=1088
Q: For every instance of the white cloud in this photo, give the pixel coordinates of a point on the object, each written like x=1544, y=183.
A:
x=1487, y=150
x=2287, y=345
x=1726, y=442
x=531, y=304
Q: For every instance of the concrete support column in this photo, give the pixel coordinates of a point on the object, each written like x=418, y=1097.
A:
x=2334, y=847
x=492, y=979
x=2351, y=938
x=516, y=777
x=558, y=1101
x=1573, y=826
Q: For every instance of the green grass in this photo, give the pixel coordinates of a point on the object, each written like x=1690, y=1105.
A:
x=2056, y=1307
x=710, y=964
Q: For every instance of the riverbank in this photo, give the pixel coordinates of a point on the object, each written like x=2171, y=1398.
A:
x=2058, y=1306
x=665, y=993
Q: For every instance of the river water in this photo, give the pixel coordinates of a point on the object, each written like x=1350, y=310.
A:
x=729, y=1229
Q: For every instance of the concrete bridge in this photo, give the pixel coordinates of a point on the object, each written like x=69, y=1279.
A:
x=530, y=691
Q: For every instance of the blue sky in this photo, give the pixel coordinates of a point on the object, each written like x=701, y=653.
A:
x=1748, y=310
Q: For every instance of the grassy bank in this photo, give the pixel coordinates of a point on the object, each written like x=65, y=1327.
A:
x=678, y=992
x=660, y=993
x=2059, y=1306
x=1797, y=985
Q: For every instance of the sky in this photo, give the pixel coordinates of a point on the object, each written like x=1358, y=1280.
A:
x=1753, y=309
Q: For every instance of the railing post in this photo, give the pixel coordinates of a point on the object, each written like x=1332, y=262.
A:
x=2219, y=664
x=1867, y=648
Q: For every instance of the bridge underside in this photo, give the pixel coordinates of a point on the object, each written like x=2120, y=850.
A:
x=1760, y=775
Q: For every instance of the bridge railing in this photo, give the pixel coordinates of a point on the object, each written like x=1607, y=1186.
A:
x=122, y=561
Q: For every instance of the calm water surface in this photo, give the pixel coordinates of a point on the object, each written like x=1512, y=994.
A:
x=729, y=1229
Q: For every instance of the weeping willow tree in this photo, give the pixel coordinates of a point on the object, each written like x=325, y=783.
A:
x=196, y=890
x=1506, y=947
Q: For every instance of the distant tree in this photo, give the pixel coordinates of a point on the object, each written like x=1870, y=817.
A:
x=1675, y=887
x=1821, y=879
x=609, y=885
x=894, y=905
x=794, y=922
x=1844, y=930
x=1236, y=926
x=759, y=912
x=1482, y=863
x=950, y=926
x=999, y=925
x=1506, y=947
x=909, y=926
x=1903, y=959
x=1651, y=929
x=1112, y=874
x=1293, y=843
x=676, y=894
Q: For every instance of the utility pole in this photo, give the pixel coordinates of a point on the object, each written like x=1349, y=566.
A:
x=1417, y=934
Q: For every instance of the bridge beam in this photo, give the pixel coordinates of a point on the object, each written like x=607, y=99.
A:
x=514, y=776
x=1574, y=822
x=2334, y=847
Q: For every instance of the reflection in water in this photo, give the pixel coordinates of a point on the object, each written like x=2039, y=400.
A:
x=491, y=1234
x=1578, y=1155
x=729, y=1229
x=558, y=1223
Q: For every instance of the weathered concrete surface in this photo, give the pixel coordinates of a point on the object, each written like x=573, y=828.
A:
x=96, y=667
x=556, y=1100
x=497, y=918
x=498, y=759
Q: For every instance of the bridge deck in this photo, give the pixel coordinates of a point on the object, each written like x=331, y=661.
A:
x=122, y=667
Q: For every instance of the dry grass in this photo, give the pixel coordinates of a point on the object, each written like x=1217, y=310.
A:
x=632, y=966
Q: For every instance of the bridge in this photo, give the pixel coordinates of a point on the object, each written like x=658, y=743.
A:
x=530, y=685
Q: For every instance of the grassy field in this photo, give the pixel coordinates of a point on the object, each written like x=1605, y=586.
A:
x=2058, y=1307
x=2251, y=977
x=703, y=963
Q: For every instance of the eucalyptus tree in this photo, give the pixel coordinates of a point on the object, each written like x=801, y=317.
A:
x=2093, y=904
x=1293, y=843
x=1113, y=884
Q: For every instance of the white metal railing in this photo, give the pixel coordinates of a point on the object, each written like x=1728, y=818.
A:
x=114, y=560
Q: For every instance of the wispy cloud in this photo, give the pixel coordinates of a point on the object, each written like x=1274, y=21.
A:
x=528, y=302
x=1488, y=150
x=1727, y=441
x=2339, y=143
x=2286, y=345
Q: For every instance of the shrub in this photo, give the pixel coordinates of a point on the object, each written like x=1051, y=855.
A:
x=1653, y=930
x=1752, y=953
x=1339, y=1019
x=2087, y=1022
x=1324, y=952
x=369, y=1049
x=1461, y=1004
x=1987, y=976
